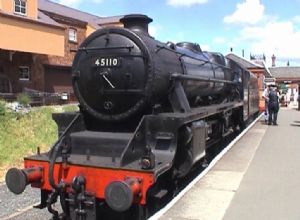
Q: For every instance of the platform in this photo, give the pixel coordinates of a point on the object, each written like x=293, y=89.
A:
x=257, y=179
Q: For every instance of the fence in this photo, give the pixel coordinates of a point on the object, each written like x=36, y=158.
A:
x=38, y=98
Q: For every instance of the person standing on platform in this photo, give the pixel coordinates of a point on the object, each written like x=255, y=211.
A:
x=295, y=97
x=265, y=96
x=273, y=105
x=299, y=101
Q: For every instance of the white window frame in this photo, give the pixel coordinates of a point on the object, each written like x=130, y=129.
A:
x=21, y=75
x=18, y=3
x=72, y=35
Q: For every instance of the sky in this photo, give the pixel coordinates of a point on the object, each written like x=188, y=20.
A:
x=254, y=26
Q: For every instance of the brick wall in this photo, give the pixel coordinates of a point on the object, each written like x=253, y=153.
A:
x=69, y=56
x=10, y=62
x=260, y=72
x=49, y=60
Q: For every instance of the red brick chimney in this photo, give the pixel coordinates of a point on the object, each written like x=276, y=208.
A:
x=273, y=60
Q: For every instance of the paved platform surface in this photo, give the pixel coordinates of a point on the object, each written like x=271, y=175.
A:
x=258, y=179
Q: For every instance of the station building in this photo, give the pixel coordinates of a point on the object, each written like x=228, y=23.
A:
x=287, y=78
x=37, y=43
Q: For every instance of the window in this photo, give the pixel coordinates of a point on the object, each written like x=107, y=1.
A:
x=20, y=7
x=24, y=73
x=72, y=35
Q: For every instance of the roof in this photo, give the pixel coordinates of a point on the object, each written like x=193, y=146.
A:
x=46, y=19
x=95, y=21
x=46, y=5
x=41, y=19
x=285, y=72
x=268, y=74
x=247, y=64
x=243, y=62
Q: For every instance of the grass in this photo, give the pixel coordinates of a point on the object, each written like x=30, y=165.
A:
x=20, y=135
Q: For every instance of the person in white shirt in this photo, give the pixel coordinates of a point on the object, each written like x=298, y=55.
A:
x=265, y=96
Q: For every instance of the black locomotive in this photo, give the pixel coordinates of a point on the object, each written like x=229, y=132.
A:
x=149, y=111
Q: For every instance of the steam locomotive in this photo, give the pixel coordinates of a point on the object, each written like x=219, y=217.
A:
x=149, y=111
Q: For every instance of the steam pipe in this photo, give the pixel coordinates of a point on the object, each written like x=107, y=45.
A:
x=199, y=78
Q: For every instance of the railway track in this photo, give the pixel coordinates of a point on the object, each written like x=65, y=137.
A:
x=12, y=206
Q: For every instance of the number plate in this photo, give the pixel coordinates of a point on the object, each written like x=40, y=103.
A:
x=108, y=62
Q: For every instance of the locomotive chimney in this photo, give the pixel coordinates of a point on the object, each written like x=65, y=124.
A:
x=137, y=23
x=273, y=60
